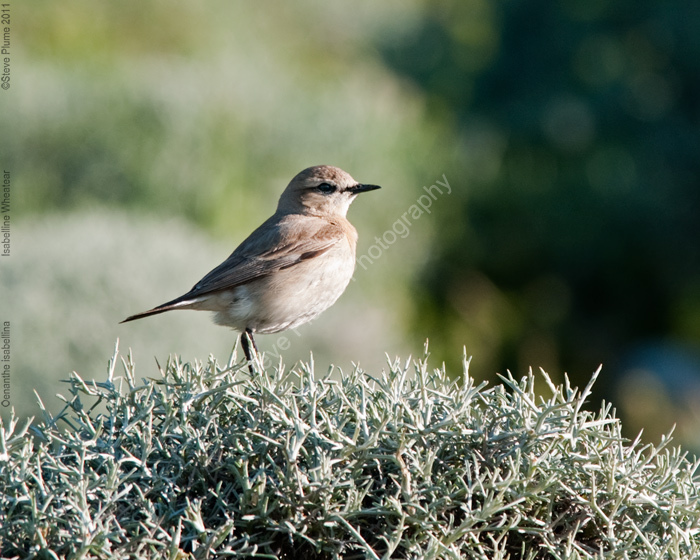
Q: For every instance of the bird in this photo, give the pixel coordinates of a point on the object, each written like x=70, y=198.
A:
x=293, y=267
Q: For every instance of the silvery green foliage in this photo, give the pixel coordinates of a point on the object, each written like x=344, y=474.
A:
x=206, y=462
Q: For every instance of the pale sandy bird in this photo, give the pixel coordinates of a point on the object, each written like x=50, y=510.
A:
x=291, y=268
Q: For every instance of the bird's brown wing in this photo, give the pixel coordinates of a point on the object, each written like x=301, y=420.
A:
x=272, y=247
x=275, y=245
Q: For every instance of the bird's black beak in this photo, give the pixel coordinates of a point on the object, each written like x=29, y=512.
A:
x=360, y=188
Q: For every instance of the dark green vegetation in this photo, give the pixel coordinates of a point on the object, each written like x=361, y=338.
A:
x=576, y=231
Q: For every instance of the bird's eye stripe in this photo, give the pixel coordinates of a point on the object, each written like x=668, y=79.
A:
x=326, y=188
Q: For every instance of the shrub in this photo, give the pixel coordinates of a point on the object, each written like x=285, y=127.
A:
x=208, y=461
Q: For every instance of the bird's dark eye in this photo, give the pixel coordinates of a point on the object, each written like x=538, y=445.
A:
x=326, y=188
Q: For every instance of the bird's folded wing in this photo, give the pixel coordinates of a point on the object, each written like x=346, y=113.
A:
x=261, y=255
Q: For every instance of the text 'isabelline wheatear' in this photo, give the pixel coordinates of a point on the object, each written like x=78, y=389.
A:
x=290, y=269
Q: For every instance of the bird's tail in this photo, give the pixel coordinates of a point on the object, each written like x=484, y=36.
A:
x=178, y=303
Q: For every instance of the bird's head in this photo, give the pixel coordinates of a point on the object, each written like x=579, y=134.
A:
x=322, y=190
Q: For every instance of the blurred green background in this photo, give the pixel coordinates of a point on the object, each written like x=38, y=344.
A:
x=147, y=139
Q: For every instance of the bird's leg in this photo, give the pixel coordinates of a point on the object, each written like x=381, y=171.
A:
x=247, y=341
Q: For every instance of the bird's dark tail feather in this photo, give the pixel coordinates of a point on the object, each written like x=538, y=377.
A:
x=156, y=310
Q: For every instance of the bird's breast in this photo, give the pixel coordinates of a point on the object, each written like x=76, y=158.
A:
x=295, y=295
